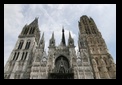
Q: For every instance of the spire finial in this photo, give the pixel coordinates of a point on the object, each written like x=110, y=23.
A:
x=36, y=17
x=62, y=28
x=69, y=35
x=53, y=35
x=42, y=36
x=63, y=37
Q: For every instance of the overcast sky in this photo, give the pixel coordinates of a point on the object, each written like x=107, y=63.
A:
x=53, y=16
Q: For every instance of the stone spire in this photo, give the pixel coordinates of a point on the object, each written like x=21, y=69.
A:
x=70, y=41
x=52, y=41
x=63, y=38
x=42, y=36
x=42, y=42
x=70, y=36
x=52, y=36
x=34, y=23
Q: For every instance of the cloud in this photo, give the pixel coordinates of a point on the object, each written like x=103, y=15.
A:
x=53, y=17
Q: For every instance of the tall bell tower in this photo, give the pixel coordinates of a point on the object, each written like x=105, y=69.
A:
x=19, y=63
x=101, y=60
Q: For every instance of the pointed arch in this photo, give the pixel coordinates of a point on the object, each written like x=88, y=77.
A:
x=25, y=55
x=14, y=56
x=62, y=61
x=26, y=30
x=17, y=56
x=20, y=44
x=28, y=44
x=30, y=30
x=22, y=55
x=33, y=30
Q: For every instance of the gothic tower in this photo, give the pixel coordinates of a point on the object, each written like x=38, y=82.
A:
x=19, y=63
x=101, y=60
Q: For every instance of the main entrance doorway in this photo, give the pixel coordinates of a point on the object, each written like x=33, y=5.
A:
x=62, y=69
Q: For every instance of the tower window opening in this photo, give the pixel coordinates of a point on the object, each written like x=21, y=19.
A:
x=14, y=56
x=31, y=30
x=22, y=55
x=25, y=55
x=27, y=45
x=17, y=56
x=26, y=30
x=20, y=44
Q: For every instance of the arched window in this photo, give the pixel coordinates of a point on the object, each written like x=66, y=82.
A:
x=17, y=56
x=14, y=56
x=33, y=31
x=27, y=44
x=22, y=55
x=30, y=30
x=20, y=44
x=26, y=30
x=25, y=55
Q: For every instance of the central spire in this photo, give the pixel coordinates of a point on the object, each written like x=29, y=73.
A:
x=63, y=37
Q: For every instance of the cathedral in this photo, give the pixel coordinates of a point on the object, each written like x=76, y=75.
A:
x=29, y=60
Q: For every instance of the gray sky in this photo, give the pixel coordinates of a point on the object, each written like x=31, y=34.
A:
x=53, y=16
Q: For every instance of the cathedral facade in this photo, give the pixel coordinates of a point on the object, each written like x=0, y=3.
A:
x=29, y=60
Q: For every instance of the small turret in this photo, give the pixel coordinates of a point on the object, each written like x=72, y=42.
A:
x=70, y=41
x=52, y=41
x=42, y=42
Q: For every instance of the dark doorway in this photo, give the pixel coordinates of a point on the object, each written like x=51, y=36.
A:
x=62, y=69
